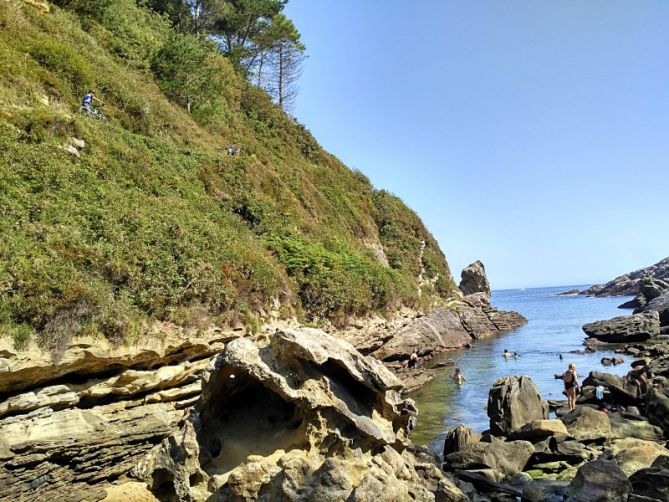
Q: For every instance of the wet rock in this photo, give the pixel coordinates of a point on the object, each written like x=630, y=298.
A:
x=474, y=279
x=599, y=481
x=513, y=402
x=625, y=329
x=586, y=424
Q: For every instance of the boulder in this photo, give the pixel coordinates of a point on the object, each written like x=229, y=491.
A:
x=653, y=482
x=458, y=439
x=504, y=457
x=625, y=329
x=304, y=417
x=474, y=280
x=633, y=454
x=586, y=424
x=538, y=430
x=513, y=402
x=599, y=481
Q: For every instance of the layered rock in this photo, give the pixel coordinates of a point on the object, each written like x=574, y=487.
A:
x=659, y=304
x=304, y=417
x=625, y=329
x=628, y=284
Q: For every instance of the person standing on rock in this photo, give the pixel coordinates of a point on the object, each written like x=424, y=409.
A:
x=570, y=379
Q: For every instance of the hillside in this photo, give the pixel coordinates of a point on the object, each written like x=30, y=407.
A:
x=151, y=219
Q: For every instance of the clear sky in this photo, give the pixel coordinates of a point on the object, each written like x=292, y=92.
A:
x=533, y=135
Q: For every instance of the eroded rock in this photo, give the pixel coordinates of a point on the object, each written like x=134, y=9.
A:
x=305, y=417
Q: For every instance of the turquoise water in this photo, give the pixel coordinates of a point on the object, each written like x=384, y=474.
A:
x=553, y=328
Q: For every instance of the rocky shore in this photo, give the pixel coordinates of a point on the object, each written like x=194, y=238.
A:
x=289, y=414
x=629, y=284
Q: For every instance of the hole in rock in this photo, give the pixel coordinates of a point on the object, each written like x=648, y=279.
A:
x=245, y=418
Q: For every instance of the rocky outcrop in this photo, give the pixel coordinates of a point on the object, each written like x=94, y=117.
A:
x=652, y=482
x=514, y=402
x=628, y=284
x=659, y=304
x=474, y=279
x=599, y=481
x=625, y=329
x=303, y=417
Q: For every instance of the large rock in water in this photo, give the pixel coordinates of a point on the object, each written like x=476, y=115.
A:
x=474, y=279
x=625, y=329
x=305, y=417
x=514, y=401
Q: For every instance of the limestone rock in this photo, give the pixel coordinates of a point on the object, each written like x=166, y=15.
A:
x=625, y=329
x=305, y=417
x=513, y=402
x=585, y=424
x=474, y=279
x=599, y=481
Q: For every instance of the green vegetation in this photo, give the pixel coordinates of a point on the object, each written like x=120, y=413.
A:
x=153, y=220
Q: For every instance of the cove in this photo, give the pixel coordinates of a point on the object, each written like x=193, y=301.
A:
x=553, y=328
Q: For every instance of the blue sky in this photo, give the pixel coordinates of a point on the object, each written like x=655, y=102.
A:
x=532, y=135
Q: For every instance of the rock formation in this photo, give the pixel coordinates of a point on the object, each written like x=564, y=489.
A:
x=625, y=329
x=474, y=279
x=514, y=402
x=305, y=417
x=298, y=415
x=628, y=284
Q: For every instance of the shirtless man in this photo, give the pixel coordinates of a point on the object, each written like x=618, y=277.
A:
x=459, y=377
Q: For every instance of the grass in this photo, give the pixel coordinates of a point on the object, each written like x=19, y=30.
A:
x=153, y=220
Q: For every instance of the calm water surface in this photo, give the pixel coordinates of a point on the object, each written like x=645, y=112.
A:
x=553, y=328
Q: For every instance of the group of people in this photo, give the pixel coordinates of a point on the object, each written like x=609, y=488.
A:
x=570, y=379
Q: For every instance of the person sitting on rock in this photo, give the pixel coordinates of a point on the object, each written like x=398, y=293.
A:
x=506, y=354
x=459, y=377
x=570, y=379
x=413, y=359
x=637, y=376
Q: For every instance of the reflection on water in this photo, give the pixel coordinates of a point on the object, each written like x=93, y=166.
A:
x=554, y=328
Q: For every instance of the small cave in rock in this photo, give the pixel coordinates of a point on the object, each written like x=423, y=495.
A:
x=359, y=398
x=241, y=418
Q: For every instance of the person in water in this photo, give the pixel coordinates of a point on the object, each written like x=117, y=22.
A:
x=413, y=359
x=459, y=377
x=506, y=354
x=516, y=355
x=570, y=379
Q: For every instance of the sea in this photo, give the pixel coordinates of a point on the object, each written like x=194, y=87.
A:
x=553, y=329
